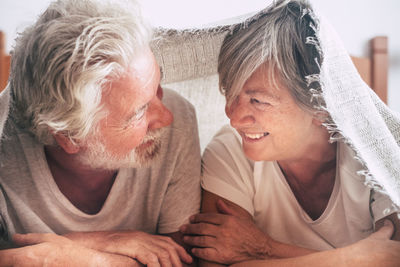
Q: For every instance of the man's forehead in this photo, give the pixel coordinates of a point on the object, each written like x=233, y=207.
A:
x=137, y=86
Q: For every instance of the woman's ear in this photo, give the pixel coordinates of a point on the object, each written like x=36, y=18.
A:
x=317, y=121
x=319, y=117
x=66, y=143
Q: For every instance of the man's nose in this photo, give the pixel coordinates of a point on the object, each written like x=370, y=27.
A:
x=159, y=115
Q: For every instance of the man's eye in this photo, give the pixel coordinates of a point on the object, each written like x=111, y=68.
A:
x=140, y=113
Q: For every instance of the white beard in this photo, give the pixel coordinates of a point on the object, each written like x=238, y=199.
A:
x=96, y=155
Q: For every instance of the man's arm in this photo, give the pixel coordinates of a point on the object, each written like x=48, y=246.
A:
x=55, y=250
x=376, y=250
x=146, y=248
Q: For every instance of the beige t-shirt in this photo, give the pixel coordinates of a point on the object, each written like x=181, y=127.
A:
x=155, y=199
x=261, y=189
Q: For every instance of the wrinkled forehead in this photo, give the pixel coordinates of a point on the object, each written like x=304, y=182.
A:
x=136, y=84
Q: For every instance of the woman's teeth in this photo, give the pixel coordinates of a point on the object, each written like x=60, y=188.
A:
x=255, y=136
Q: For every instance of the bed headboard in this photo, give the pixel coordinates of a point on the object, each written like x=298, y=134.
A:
x=374, y=69
x=4, y=62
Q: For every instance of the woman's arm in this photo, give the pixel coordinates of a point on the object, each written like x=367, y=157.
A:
x=226, y=234
x=376, y=250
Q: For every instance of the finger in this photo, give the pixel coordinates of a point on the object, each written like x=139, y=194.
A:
x=385, y=232
x=158, y=248
x=146, y=257
x=209, y=254
x=199, y=229
x=172, y=248
x=199, y=241
x=108, y=259
x=212, y=218
x=181, y=252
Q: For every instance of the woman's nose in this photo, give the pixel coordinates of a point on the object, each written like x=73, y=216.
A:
x=239, y=113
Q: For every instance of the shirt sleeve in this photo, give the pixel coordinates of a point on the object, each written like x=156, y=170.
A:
x=381, y=205
x=4, y=236
x=226, y=170
x=183, y=195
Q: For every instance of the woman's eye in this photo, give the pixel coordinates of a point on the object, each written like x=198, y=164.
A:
x=257, y=102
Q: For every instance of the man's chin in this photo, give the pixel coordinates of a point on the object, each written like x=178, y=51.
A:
x=148, y=152
x=142, y=156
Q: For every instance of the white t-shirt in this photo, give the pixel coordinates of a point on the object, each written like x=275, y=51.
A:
x=156, y=199
x=261, y=189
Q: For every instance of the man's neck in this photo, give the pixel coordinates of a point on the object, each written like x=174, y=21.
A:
x=86, y=188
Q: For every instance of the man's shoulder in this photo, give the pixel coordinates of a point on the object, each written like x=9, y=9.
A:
x=183, y=111
x=181, y=138
x=13, y=162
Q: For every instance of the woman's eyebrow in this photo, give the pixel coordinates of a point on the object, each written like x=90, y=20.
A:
x=262, y=92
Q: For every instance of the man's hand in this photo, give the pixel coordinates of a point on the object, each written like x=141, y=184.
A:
x=226, y=238
x=150, y=250
x=55, y=250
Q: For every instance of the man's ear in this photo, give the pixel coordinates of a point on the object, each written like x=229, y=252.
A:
x=66, y=144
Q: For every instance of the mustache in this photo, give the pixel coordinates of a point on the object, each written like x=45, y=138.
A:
x=153, y=135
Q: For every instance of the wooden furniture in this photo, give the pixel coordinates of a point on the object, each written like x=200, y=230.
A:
x=4, y=62
x=373, y=69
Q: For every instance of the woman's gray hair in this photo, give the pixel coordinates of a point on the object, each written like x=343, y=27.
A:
x=61, y=65
x=284, y=38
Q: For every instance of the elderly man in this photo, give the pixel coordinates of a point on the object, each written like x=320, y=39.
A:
x=94, y=168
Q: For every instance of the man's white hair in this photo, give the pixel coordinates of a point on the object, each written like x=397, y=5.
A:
x=62, y=64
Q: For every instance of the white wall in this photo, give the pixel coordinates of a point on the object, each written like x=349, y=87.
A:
x=356, y=21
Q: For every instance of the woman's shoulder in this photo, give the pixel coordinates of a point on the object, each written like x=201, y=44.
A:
x=225, y=151
x=226, y=142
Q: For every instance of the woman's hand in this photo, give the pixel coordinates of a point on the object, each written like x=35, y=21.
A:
x=226, y=237
x=375, y=250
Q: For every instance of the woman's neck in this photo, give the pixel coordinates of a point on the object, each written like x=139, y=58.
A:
x=311, y=177
x=316, y=156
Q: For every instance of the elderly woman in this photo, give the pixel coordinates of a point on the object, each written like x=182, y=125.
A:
x=279, y=184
